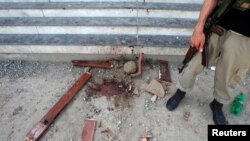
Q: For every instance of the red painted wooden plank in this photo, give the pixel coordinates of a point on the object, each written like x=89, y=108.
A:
x=97, y=64
x=88, y=130
x=45, y=122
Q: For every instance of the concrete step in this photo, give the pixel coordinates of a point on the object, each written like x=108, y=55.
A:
x=93, y=21
x=95, y=30
x=161, y=1
x=94, y=40
x=102, y=5
x=96, y=27
x=97, y=9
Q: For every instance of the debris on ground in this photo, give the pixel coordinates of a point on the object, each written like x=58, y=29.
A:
x=29, y=88
x=136, y=91
x=88, y=130
x=186, y=116
x=94, y=86
x=153, y=98
x=95, y=64
x=148, y=80
x=166, y=86
x=146, y=136
x=37, y=131
x=139, y=65
x=130, y=67
x=164, y=71
x=155, y=88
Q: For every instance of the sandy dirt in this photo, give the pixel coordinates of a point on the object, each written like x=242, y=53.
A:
x=29, y=89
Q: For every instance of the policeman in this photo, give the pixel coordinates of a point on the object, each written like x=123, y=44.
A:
x=230, y=52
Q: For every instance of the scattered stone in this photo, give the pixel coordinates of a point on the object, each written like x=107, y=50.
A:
x=153, y=98
x=148, y=80
x=136, y=91
x=166, y=85
x=130, y=81
x=155, y=88
x=201, y=104
x=98, y=80
x=94, y=86
x=186, y=116
x=130, y=67
x=130, y=88
x=146, y=136
x=109, y=78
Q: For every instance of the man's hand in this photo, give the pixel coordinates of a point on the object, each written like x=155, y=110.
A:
x=197, y=39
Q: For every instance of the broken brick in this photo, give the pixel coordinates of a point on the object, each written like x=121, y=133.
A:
x=155, y=88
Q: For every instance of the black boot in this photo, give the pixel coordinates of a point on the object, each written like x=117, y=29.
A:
x=174, y=101
x=218, y=116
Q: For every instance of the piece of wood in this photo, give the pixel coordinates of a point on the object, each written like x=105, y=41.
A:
x=37, y=131
x=155, y=88
x=95, y=64
x=88, y=130
x=164, y=72
x=146, y=136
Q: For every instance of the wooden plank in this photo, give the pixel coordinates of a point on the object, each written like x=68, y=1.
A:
x=164, y=72
x=88, y=130
x=37, y=131
x=96, y=64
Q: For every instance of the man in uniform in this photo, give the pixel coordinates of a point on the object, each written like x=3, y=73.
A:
x=230, y=52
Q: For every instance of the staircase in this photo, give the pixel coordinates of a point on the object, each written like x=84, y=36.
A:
x=94, y=29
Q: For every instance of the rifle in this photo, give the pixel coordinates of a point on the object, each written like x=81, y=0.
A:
x=210, y=26
x=205, y=54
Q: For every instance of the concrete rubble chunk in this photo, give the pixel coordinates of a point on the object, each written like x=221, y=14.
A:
x=98, y=80
x=136, y=91
x=93, y=86
x=130, y=67
x=155, y=88
x=153, y=98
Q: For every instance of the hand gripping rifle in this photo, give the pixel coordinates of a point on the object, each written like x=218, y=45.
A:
x=210, y=26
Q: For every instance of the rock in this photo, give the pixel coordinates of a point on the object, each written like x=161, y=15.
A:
x=98, y=80
x=136, y=91
x=130, y=67
x=148, y=80
x=153, y=98
x=186, y=116
x=155, y=88
x=109, y=78
x=93, y=86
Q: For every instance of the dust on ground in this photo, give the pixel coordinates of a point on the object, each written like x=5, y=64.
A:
x=29, y=89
